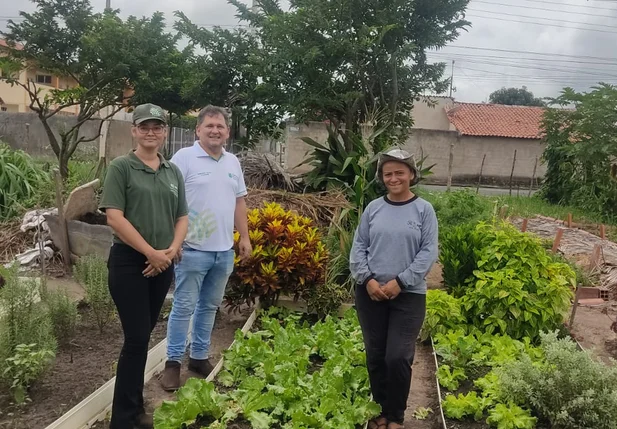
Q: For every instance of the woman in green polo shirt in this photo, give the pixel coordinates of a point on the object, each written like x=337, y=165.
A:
x=146, y=207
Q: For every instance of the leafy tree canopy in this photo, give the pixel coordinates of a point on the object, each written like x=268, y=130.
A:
x=515, y=97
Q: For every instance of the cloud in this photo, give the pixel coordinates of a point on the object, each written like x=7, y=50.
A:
x=477, y=72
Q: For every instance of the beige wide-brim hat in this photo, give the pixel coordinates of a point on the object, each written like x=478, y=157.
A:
x=398, y=155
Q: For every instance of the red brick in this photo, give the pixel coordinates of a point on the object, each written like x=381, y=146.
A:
x=588, y=292
x=591, y=301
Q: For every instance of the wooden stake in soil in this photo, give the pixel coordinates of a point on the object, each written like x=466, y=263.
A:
x=524, y=227
x=569, y=220
x=480, y=176
x=603, y=232
x=557, y=240
x=503, y=212
x=512, y=172
x=594, y=260
x=64, y=235
x=533, y=177
x=576, y=295
x=450, y=162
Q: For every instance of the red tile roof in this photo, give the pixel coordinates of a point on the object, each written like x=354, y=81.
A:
x=3, y=44
x=496, y=120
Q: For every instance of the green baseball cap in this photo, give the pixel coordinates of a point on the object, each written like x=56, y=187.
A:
x=148, y=112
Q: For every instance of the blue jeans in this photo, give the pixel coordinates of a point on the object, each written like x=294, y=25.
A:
x=201, y=278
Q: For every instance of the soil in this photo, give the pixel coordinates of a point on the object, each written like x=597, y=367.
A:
x=423, y=390
x=225, y=328
x=78, y=370
x=592, y=329
x=434, y=279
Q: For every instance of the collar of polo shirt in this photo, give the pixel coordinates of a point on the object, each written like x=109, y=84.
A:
x=201, y=153
x=138, y=164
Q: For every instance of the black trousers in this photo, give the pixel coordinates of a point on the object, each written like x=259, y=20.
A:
x=390, y=330
x=139, y=301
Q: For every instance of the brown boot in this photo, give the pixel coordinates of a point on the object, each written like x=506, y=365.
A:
x=170, y=380
x=144, y=421
x=202, y=367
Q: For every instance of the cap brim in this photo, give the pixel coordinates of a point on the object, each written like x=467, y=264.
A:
x=150, y=118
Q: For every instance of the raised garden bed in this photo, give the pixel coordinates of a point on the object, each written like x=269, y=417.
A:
x=79, y=369
x=286, y=368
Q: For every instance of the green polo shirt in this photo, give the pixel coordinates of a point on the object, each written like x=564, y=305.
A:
x=152, y=201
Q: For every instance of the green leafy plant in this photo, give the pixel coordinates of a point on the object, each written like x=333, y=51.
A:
x=287, y=374
x=64, y=315
x=288, y=258
x=339, y=241
x=450, y=379
x=513, y=286
x=326, y=299
x=458, y=208
x=23, y=318
x=91, y=272
x=510, y=416
x=569, y=389
x=465, y=405
x=443, y=314
x=422, y=413
x=20, y=177
x=26, y=365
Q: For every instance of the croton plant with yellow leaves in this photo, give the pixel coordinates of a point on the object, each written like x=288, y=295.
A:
x=288, y=258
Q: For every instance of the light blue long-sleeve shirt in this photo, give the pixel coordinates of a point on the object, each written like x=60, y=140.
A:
x=395, y=240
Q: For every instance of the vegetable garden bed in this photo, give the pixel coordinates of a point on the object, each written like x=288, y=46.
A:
x=287, y=372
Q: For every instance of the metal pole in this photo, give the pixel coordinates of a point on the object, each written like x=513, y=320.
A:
x=452, y=79
x=108, y=4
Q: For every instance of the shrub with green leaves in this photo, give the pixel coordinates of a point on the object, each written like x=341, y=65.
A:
x=326, y=299
x=20, y=177
x=569, y=389
x=91, y=272
x=506, y=280
x=463, y=207
x=443, y=314
x=25, y=366
x=23, y=318
x=64, y=315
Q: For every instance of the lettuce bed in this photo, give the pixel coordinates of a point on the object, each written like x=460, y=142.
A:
x=289, y=374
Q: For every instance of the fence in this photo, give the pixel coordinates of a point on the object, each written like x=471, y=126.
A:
x=180, y=138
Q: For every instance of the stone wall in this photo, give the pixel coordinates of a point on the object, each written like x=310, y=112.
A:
x=435, y=144
x=25, y=131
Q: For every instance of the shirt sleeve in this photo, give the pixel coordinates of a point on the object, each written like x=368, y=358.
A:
x=183, y=209
x=426, y=256
x=242, y=192
x=114, y=189
x=358, y=257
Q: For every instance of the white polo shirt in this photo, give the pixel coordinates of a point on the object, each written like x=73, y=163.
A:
x=211, y=190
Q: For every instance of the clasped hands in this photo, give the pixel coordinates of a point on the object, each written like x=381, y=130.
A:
x=159, y=260
x=385, y=292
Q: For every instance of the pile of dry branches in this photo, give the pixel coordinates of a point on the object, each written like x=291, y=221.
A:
x=13, y=240
x=321, y=207
x=262, y=171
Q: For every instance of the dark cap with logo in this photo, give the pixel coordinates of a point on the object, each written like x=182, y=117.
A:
x=148, y=112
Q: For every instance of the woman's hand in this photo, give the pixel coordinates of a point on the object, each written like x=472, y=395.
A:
x=158, y=261
x=375, y=292
x=391, y=289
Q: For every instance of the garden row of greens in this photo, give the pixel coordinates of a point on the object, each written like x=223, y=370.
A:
x=35, y=321
x=498, y=330
x=286, y=374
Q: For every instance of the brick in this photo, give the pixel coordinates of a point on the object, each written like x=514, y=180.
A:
x=589, y=292
x=591, y=301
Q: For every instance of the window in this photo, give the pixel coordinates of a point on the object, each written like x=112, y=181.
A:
x=43, y=78
x=4, y=109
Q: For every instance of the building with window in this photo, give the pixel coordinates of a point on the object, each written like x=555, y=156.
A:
x=14, y=98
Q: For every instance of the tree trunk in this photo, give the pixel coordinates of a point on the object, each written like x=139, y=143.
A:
x=394, y=101
x=63, y=161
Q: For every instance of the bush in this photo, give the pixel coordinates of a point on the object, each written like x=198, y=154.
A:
x=24, y=319
x=288, y=258
x=570, y=390
x=326, y=299
x=64, y=316
x=91, y=272
x=507, y=281
x=24, y=367
x=20, y=177
x=459, y=208
x=338, y=244
x=443, y=314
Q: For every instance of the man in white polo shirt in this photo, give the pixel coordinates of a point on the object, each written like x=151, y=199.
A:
x=215, y=192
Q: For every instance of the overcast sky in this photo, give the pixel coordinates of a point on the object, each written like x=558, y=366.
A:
x=572, y=42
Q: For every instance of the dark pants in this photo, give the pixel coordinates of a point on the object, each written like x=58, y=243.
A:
x=139, y=301
x=390, y=330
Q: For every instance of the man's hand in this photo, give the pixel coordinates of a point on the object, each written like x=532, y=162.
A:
x=178, y=255
x=391, y=289
x=375, y=292
x=245, y=248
